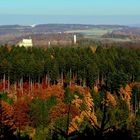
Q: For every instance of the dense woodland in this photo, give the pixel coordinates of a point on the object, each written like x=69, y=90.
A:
x=76, y=92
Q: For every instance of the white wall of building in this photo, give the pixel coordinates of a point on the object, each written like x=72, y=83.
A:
x=26, y=43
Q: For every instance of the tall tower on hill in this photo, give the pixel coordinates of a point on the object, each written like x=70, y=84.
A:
x=74, y=37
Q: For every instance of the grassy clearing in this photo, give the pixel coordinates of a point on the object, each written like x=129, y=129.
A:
x=97, y=33
x=93, y=31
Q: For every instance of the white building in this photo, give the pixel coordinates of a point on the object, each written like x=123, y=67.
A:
x=26, y=43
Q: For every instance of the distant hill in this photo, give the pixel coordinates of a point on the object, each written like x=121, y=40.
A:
x=47, y=28
x=43, y=33
x=129, y=32
x=135, y=25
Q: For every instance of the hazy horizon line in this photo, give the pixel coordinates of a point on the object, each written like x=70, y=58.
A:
x=23, y=19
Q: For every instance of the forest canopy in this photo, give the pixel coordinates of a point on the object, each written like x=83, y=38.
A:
x=70, y=92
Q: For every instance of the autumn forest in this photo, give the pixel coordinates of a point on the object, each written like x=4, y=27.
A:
x=70, y=93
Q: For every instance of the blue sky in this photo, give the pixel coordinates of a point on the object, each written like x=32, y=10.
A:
x=69, y=7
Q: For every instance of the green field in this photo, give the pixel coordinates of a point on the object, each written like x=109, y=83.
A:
x=97, y=33
x=93, y=31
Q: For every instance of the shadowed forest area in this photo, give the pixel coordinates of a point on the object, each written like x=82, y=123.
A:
x=88, y=91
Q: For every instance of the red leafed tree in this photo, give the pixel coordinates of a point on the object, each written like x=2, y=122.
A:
x=62, y=109
x=6, y=118
x=21, y=117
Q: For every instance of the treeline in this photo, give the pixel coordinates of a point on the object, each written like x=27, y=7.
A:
x=83, y=65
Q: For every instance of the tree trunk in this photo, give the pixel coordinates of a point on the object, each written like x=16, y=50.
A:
x=40, y=89
x=68, y=121
x=8, y=83
x=15, y=85
x=21, y=85
x=4, y=82
x=46, y=79
x=29, y=83
x=70, y=77
x=104, y=119
x=62, y=82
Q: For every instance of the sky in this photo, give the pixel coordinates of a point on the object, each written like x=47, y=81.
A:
x=65, y=11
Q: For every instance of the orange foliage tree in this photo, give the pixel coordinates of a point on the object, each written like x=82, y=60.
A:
x=6, y=118
x=21, y=118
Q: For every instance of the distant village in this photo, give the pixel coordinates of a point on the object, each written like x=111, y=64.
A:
x=29, y=42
